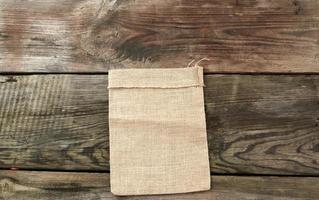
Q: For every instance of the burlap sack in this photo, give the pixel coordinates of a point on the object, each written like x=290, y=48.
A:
x=158, y=141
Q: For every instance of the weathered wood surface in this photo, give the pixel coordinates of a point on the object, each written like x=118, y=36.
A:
x=95, y=35
x=256, y=124
x=18, y=185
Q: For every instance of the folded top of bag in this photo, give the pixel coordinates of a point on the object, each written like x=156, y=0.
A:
x=156, y=78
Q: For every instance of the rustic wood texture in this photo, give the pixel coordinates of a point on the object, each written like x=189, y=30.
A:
x=53, y=122
x=256, y=124
x=95, y=35
x=16, y=185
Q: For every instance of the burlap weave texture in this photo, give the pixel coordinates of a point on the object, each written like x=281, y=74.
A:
x=158, y=140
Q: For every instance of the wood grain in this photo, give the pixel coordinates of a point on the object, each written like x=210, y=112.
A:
x=95, y=35
x=261, y=124
x=54, y=122
x=16, y=185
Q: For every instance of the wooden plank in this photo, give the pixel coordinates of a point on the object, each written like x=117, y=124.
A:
x=95, y=35
x=261, y=124
x=15, y=185
x=54, y=122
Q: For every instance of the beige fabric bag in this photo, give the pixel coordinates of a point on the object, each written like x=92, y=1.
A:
x=158, y=141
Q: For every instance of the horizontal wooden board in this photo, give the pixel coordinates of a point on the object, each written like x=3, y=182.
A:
x=16, y=185
x=263, y=124
x=95, y=35
x=256, y=124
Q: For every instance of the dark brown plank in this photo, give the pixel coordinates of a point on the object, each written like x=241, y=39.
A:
x=256, y=124
x=16, y=185
x=263, y=124
x=54, y=122
x=26, y=185
x=93, y=36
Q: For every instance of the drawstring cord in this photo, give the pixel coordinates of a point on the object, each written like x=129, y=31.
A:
x=197, y=63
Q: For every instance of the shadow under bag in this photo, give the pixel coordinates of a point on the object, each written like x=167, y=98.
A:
x=158, y=139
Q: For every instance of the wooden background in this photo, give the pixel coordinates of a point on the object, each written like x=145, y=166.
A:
x=261, y=95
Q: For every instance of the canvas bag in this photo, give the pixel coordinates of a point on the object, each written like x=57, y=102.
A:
x=158, y=140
